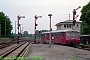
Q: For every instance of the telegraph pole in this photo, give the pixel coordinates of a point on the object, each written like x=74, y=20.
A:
x=0, y=30
x=15, y=29
x=50, y=30
x=5, y=29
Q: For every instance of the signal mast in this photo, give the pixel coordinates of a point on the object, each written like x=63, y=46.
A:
x=74, y=13
x=74, y=17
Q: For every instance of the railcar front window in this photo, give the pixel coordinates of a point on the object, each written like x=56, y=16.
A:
x=77, y=34
x=70, y=34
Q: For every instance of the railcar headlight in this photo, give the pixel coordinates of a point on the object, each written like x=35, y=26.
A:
x=66, y=38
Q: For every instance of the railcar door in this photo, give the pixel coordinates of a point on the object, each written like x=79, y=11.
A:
x=60, y=38
x=47, y=37
x=55, y=38
x=43, y=38
x=63, y=37
x=77, y=36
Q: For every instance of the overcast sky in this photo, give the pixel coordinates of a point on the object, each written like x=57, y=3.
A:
x=29, y=8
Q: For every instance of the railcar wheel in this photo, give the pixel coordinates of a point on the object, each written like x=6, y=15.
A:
x=52, y=42
x=43, y=42
x=73, y=44
x=67, y=43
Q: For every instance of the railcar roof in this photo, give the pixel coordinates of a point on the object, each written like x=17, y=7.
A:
x=60, y=31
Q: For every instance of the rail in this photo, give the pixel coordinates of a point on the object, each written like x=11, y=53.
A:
x=19, y=50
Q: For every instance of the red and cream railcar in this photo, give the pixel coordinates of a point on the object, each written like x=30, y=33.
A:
x=61, y=37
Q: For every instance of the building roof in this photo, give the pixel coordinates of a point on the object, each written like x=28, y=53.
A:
x=67, y=21
x=84, y=35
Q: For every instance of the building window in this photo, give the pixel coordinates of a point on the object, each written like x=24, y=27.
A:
x=70, y=25
x=77, y=25
x=65, y=26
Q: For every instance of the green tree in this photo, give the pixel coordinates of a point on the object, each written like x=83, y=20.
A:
x=85, y=18
x=25, y=34
x=30, y=35
x=38, y=33
x=4, y=18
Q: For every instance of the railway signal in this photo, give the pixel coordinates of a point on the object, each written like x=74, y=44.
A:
x=36, y=17
x=18, y=18
x=74, y=13
x=36, y=24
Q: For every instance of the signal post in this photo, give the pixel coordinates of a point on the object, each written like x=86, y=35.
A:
x=36, y=17
x=74, y=13
x=18, y=18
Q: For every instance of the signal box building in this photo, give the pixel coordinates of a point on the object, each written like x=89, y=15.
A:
x=68, y=24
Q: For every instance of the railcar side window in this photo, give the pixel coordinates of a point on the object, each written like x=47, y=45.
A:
x=60, y=34
x=56, y=34
x=42, y=35
x=52, y=34
x=46, y=35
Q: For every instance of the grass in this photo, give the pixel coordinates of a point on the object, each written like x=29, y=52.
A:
x=81, y=45
x=4, y=39
x=78, y=46
x=85, y=44
x=74, y=58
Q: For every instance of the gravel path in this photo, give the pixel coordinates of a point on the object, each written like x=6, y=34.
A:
x=57, y=52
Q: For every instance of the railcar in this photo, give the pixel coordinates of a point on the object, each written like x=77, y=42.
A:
x=67, y=37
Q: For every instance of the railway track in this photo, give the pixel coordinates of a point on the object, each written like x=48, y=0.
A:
x=6, y=44
x=3, y=45
x=16, y=52
x=11, y=42
x=84, y=47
